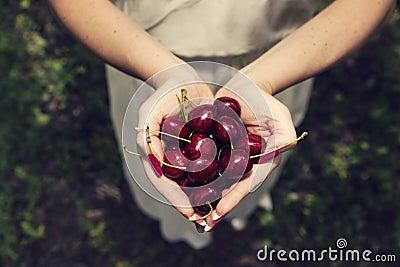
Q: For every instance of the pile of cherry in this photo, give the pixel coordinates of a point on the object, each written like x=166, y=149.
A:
x=219, y=154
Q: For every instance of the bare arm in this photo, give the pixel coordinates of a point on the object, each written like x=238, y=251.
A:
x=328, y=37
x=111, y=35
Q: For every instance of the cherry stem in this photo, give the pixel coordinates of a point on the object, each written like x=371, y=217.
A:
x=205, y=216
x=185, y=98
x=302, y=136
x=220, y=151
x=131, y=152
x=182, y=103
x=184, y=94
x=153, y=160
x=148, y=140
x=159, y=132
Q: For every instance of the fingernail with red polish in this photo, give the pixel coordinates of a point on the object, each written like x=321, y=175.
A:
x=156, y=164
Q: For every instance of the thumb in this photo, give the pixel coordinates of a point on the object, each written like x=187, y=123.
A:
x=283, y=130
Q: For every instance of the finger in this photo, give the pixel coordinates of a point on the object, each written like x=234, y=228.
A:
x=172, y=193
x=239, y=191
x=151, y=146
x=225, y=205
x=284, y=130
x=148, y=141
x=254, y=112
x=147, y=117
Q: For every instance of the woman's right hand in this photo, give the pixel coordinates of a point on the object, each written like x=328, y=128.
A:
x=152, y=112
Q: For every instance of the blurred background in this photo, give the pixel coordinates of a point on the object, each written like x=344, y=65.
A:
x=65, y=202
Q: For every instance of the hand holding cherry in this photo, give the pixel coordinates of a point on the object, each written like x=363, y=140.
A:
x=155, y=108
x=267, y=119
x=207, y=151
x=214, y=152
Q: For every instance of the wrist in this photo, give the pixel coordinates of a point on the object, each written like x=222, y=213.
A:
x=173, y=75
x=148, y=66
x=261, y=81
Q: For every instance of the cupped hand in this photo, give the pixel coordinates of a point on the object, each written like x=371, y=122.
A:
x=157, y=107
x=264, y=115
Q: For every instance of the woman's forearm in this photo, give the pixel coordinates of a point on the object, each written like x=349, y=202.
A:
x=111, y=35
x=317, y=45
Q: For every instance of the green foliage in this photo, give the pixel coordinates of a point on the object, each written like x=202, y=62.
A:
x=343, y=181
x=53, y=112
x=63, y=201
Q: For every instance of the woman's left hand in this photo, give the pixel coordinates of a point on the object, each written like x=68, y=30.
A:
x=267, y=117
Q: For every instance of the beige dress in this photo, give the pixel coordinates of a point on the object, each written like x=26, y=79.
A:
x=226, y=31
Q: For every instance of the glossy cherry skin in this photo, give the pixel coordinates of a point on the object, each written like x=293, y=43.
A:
x=234, y=163
x=202, y=171
x=201, y=118
x=253, y=142
x=176, y=146
x=200, y=145
x=176, y=127
x=175, y=158
x=201, y=196
x=227, y=130
x=225, y=105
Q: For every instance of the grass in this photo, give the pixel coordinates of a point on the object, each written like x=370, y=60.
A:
x=64, y=200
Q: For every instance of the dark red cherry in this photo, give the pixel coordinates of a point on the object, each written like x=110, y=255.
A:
x=225, y=104
x=184, y=181
x=224, y=152
x=203, y=195
x=176, y=127
x=227, y=130
x=176, y=146
x=201, y=118
x=202, y=171
x=253, y=142
x=175, y=158
x=234, y=163
x=200, y=145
